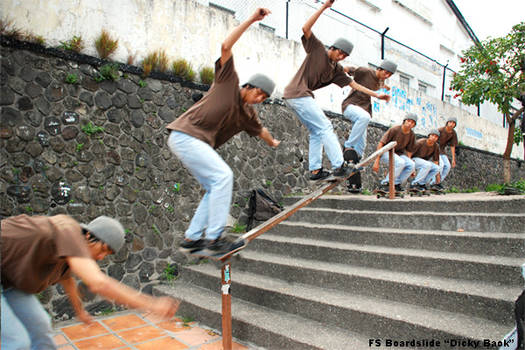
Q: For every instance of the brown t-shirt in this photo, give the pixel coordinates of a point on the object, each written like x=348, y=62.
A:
x=366, y=77
x=317, y=71
x=405, y=142
x=445, y=138
x=34, y=250
x=221, y=114
x=424, y=151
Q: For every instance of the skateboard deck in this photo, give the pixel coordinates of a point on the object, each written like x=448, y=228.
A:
x=380, y=193
x=418, y=193
x=435, y=191
x=354, y=182
x=220, y=256
x=289, y=211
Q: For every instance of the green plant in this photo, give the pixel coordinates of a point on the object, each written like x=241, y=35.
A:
x=170, y=272
x=33, y=38
x=453, y=189
x=107, y=311
x=238, y=228
x=268, y=183
x=176, y=188
x=183, y=69
x=157, y=60
x=142, y=83
x=366, y=192
x=127, y=231
x=153, y=206
x=108, y=71
x=91, y=129
x=72, y=78
x=207, y=75
x=518, y=134
x=186, y=320
x=75, y=44
x=7, y=28
x=105, y=45
x=170, y=209
x=155, y=229
x=29, y=209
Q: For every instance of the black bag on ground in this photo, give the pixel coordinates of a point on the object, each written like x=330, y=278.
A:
x=261, y=207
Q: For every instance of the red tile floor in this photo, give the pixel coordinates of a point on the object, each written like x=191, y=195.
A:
x=133, y=330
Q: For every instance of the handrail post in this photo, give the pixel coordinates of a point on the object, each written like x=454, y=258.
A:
x=226, y=306
x=391, y=189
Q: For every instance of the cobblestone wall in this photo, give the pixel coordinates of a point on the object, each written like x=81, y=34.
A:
x=91, y=148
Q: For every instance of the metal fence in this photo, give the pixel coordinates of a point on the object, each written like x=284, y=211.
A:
x=288, y=17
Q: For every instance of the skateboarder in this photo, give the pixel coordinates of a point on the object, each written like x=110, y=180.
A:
x=224, y=112
x=426, y=160
x=40, y=251
x=319, y=69
x=447, y=137
x=357, y=107
x=406, y=141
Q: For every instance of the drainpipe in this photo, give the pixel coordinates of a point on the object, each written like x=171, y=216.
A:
x=383, y=43
x=287, y=5
x=443, y=85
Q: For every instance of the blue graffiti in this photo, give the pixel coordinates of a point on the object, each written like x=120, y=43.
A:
x=474, y=133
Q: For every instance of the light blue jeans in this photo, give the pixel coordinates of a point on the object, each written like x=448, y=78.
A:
x=426, y=170
x=403, y=167
x=444, y=168
x=321, y=133
x=444, y=165
x=25, y=323
x=357, y=137
x=214, y=175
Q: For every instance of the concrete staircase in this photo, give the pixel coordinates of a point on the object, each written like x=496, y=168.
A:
x=348, y=269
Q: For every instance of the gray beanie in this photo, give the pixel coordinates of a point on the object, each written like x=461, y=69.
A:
x=433, y=131
x=262, y=82
x=343, y=45
x=412, y=116
x=452, y=119
x=108, y=230
x=388, y=66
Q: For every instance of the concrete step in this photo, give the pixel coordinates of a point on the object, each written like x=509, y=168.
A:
x=372, y=317
x=421, y=220
x=491, y=269
x=445, y=203
x=272, y=329
x=474, y=298
x=482, y=243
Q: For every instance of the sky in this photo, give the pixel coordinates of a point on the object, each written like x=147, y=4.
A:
x=492, y=18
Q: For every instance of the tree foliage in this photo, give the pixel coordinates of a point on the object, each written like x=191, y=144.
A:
x=492, y=71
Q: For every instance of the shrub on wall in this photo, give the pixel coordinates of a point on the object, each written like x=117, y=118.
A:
x=75, y=44
x=105, y=45
x=183, y=69
x=207, y=75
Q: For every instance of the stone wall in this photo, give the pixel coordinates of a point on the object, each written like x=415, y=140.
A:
x=91, y=148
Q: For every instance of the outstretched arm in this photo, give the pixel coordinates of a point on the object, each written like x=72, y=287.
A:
x=307, y=27
x=88, y=271
x=453, y=151
x=268, y=138
x=369, y=92
x=375, y=167
x=71, y=289
x=231, y=39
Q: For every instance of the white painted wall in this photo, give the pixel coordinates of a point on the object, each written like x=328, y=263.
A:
x=192, y=30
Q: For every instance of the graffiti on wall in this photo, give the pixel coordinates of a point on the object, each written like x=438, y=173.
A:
x=426, y=111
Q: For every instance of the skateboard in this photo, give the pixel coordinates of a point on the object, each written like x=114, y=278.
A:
x=418, y=193
x=384, y=194
x=220, y=256
x=354, y=182
x=436, y=191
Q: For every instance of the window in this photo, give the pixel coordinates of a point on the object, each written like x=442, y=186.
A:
x=422, y=87
x=404, y=81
